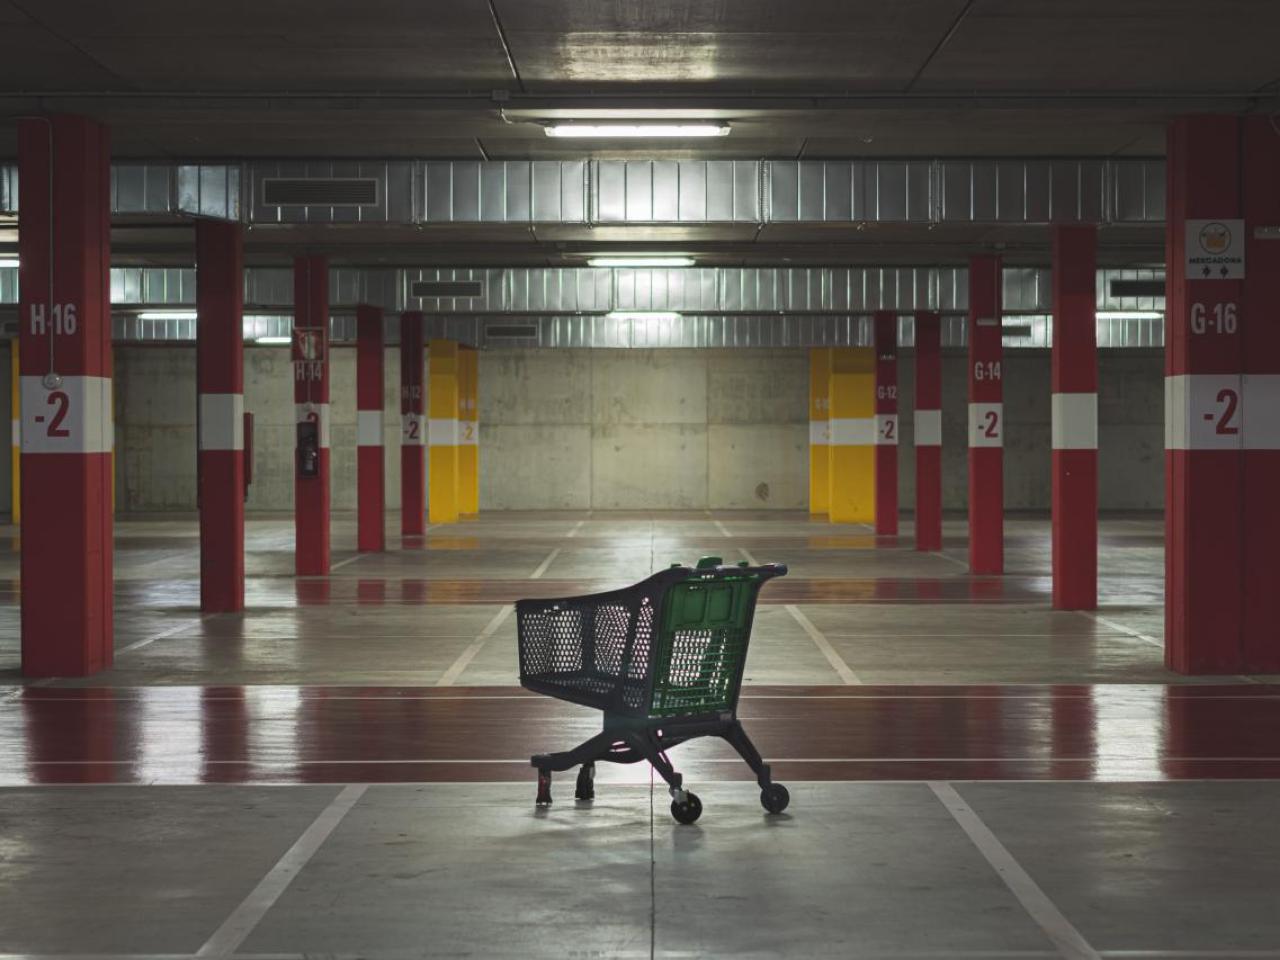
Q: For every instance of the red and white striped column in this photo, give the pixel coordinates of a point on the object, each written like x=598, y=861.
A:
x=1204, y=523
x=413, y=426
x=311, y=413
x=67, y=428
x=1260, y=400
x=885, y=339
x=928, y=430
x=370, y=465
x=220, y=384
x=1075, y=418
x=986, y=417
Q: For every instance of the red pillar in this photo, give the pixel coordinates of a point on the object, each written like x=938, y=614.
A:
x=413, y=426
x=64, y=366
x=986, y=417
x=1075, y=418
x=1203, y=360
x=928, y=430
x=370, y=469
x=311, y=413
x=1261, y=398
x=885, y=324
x=220, y=386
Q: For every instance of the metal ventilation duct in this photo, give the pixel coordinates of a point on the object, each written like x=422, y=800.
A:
x=319, y=192
x=469, y=289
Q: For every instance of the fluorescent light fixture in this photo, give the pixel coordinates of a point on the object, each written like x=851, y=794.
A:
x=1130, y=315
x=8, y=262
x=642, y=315
x=167, y=315
x=640, y=261
x=636, y=130
x=273, y=341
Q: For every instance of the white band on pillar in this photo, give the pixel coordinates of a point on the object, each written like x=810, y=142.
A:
x=886, y=429
x=413, y=429
x=368, y=428
x=1203, y=411
x=986, y=424
x=819, y=433
x=442, y=432
x=1075, y=421
x=928, y=428
x=1261, y=406
x=853, y=431
x=222, y=421
x=316, y=413
x=74, y=417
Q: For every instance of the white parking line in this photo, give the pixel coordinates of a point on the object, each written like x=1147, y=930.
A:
x=237, y=927
x=1065, y=937
x=1122, y=628
x=746, y=555
x=576, y=527
x=828, y=651
x=724, y=531
x=165, y=634
x=542, y=567
x=342, y=563
x=464, y=659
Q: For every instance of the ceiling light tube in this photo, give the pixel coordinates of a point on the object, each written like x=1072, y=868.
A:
x=642, y=315
x=636, y=130
x=273, y=341
x=167, y=315
x=1130, y=315
x=640, y=261
x=6, y=262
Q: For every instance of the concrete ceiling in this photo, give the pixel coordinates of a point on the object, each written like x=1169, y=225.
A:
x=795, y=78
x=197, y=79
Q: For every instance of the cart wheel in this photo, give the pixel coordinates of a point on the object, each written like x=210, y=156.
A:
x=688, y=811
x=586, y=788
x=544, y=788
x=775, y=798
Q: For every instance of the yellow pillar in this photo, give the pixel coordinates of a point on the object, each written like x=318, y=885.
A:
x=852, y=443
x=15, y=435
x=469, y=432
x=819, y=429
x=442, y=431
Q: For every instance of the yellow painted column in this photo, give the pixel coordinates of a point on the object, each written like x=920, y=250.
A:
x=442, y=431
x=819, y=429
x=15, y=435
x=852, y=441
x=469, y=432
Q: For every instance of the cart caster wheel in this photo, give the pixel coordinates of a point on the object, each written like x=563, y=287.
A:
x=586, y=788
x=687, y=811
x=775, y=798
x=544, y=788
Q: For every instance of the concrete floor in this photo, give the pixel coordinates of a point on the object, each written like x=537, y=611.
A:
x=418, y=610
x=1147, y=852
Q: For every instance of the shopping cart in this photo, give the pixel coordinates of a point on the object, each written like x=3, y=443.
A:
x=662, y=659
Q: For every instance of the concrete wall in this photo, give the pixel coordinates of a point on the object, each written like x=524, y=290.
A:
x=632, y=429
x=643, y=429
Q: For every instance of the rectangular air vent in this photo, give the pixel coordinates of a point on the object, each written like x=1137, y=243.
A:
x=448, y=288
x=320, y=192
x=511, y=331
x=1137, y=288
